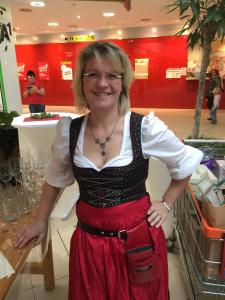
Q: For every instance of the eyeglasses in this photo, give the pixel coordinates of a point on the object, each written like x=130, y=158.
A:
x=109, y=77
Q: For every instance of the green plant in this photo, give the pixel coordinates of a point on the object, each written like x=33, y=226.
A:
x=6, y=118
x=43, y=115
x=205, y=22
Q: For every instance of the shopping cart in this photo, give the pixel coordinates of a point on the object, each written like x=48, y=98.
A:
x=202, y=247
x=217, y=146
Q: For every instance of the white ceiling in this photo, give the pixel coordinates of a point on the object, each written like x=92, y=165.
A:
x=65, y=12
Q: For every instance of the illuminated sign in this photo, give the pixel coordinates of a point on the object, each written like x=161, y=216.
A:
x=80, y=38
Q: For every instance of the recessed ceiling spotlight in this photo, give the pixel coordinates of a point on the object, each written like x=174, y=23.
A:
x=108, y=14
x=53, y=24
x=154, y=29
x=37, y=3
x=146, y=20
x=72, y=26
x=25, y=9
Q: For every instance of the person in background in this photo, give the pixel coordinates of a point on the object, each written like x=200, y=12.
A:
x=216, y=103
x=118, y=249
x=214, y=81
x=34, y=92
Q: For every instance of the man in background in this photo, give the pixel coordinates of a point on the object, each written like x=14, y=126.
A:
x=34, y=91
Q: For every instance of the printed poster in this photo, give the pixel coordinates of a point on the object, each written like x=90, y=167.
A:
x=216, y=60
x=66, y=69
x=21, y=71
x=43, y=71
x=141, y=68
x=173, y=73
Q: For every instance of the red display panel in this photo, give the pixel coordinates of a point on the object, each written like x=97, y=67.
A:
x=155, y=92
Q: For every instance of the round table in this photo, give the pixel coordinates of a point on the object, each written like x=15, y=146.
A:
x=36, y=137
x=35, y=140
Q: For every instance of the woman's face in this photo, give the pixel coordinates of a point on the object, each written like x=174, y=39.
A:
x=101, y=85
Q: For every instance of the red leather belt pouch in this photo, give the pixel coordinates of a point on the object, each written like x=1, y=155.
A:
x=143, y=258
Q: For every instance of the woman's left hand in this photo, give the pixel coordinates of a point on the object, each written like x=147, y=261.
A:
x=157, y=214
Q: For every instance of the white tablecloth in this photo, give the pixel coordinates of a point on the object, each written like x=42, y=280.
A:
x=37, y=137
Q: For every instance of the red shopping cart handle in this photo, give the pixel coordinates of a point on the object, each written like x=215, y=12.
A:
x=222, y=270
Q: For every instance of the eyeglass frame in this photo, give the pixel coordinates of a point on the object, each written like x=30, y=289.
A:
x=99, y=76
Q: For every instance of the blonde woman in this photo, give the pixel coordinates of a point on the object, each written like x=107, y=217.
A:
x=118, y=248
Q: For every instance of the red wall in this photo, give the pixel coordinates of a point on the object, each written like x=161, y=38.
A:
x=155, y=92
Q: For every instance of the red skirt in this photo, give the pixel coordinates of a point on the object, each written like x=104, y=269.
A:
x=97, y=267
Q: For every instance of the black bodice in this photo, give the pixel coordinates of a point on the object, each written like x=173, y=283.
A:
x=112, y=185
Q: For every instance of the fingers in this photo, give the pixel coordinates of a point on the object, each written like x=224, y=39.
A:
x=36, y=231
x=157, y=214
x=20, y=239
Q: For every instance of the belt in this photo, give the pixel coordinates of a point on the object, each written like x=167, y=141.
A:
x=121, y=234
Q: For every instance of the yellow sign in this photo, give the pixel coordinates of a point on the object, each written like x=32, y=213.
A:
x=81, y=38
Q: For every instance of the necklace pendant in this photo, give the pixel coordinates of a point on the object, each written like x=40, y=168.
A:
x=102, y=145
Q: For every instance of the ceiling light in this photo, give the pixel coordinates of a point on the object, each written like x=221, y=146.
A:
x=25, y=9
x=108, y=14
x=37, y=3
x=53, y=24
x=146, y=20
x=72, y=26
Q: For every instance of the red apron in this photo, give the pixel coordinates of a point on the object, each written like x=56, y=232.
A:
x=97, y=265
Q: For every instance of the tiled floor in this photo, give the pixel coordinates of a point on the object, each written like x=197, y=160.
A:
x=31, y=287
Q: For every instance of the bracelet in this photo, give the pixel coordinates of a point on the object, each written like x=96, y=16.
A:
x=166, y=205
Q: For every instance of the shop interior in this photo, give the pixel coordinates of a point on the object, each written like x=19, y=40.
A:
x=165, y=82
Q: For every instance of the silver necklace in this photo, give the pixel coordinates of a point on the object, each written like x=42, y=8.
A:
x=102, y=144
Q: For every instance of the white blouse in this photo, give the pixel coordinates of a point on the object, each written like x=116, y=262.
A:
x=156, y=139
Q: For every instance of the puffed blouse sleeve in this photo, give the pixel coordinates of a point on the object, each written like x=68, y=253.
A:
x=160, y=142
x=59, y=172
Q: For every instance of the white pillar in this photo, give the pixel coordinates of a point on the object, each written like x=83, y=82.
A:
x=9, y=79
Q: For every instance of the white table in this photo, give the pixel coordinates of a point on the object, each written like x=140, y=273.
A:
x=35, y=140
x=37, y=137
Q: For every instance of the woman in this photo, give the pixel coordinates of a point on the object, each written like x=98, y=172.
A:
x=216, y=103
x=214, y=81
x=115, y=253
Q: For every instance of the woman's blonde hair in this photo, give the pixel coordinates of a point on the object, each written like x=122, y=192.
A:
x=120, y=61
